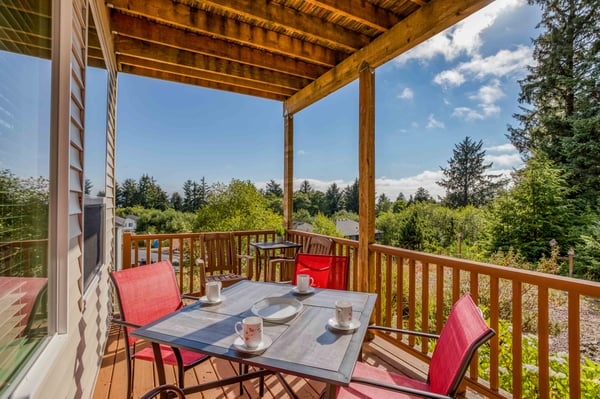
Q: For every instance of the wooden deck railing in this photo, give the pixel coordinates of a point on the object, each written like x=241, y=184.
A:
x=416, y=291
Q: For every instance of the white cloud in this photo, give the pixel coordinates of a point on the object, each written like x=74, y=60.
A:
x=489, y=94
x=467, y=114
x=432, y=123
x=463, y=38
x=510, y=160
x=301, y=152
x=449, y=78
x=502, y=148
x=407, y=94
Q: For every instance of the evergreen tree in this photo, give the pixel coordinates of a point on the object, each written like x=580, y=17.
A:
x=383, y=204
x=305, y=187
x=465, y=181
x=351, y=203
x=127, y=194
x=333, y=199
x=421, y=195
x=150, y=195
x=533, y=213
x=561, y=94
x=176, y=201
x=87, y=190
x=273, y=189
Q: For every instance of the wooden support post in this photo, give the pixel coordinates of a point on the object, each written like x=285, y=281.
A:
x=366, y=178
x=288, y=170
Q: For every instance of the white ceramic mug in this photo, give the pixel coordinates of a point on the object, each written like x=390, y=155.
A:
x=304, y=282
x=213, y=290
x=250, y=331
x=343, y=313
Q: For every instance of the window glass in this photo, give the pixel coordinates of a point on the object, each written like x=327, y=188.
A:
x=25, y=74
x=94, y=157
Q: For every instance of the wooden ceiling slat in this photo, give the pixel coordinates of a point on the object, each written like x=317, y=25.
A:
x=419, y=26
x=230, y=29
x=290, y=20
x=135, y=70
x=171, y=55
x=361, y=11
x=169, y=36
x=204, y=75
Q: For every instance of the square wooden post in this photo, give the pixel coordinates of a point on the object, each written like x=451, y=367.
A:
x=366, y=178
x=288, y=170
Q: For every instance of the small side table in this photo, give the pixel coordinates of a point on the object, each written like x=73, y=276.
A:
x=268, y=247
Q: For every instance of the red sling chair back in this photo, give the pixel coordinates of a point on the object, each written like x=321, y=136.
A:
x=328, y=271
x=147, y=293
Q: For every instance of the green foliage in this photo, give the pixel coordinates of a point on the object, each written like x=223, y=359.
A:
x=323, y=225
x=534, y=212
x=587, y=259
x=559, y=368
x=168, y=221
x=146, y=193
x=237, y=206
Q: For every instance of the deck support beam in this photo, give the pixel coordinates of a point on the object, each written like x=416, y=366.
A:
x=366, y=178
x=288, y=170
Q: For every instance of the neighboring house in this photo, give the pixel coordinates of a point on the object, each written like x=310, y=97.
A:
x=130, y=223
x=349, y=229
x=302, y=226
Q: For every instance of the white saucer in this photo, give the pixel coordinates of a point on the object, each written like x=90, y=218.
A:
x=239, y=345
x=205, y=300
x=354, y=324
x=310, y=290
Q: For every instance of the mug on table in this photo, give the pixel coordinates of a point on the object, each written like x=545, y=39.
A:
x=250, y=330
x=213, y=290
x=343, y=313
x=304, y=282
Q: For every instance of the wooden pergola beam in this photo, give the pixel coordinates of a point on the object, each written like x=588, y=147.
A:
x=292, y=22
x=166, y=35
x=366, y=13
x=191, y=18
x=419, y=26
x=150, y=73
x=202, y=74
x=170, y=55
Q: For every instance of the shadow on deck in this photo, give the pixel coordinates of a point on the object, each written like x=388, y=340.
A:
x=112, y=379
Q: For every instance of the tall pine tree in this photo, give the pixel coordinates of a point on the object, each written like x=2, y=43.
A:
x=560, y=115
x=465, y=178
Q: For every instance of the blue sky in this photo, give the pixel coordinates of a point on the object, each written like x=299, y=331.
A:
x=463, y=82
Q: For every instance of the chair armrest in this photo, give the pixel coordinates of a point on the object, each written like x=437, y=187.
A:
x=401, y=331
x=398, y=388
x=125, y=323
x=188, y=296
x=250, y=265
x=164, y=388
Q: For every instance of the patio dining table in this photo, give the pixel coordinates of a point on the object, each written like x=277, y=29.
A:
x=303, y=345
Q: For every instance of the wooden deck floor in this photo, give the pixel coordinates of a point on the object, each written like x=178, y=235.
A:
x=112, y=380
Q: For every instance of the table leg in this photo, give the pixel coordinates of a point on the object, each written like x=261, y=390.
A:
x=330, y=392
x=160, y=368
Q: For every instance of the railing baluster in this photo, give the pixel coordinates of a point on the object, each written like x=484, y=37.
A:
x=474, y=288
x=543, y=344
x=388, y=290
x=411, y=299
x=574, y=346
x=494, y=324
x=517, y=339
x=425, y=305
x=400, y=292
x=378, y=288
x=439, y=298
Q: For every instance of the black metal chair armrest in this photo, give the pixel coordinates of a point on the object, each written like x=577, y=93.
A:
x=188, y=296
x=164, y=388
x=125, y=323
x=402, y=331
x=398, y=388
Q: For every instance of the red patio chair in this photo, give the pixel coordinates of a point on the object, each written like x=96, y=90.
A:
x=464, y=332
x=328, y=271
x=317, y=245
x=146, y=293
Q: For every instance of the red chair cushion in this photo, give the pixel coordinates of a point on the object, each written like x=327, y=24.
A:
x=363, y=391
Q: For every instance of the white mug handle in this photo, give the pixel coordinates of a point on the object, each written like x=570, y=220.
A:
x=311, y=281
x=239, y=332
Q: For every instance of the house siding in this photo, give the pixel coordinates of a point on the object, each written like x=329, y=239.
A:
x=69, y=365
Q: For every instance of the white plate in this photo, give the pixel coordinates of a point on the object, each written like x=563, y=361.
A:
x=276, y=308
x=239, y=345
x=310, y=290
x=205, y=300
x=354, y=324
